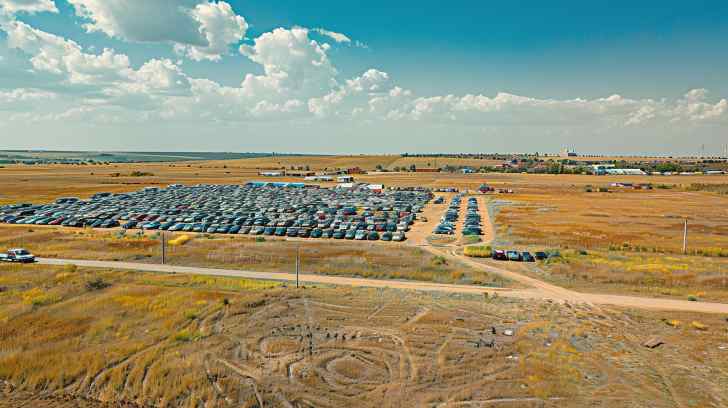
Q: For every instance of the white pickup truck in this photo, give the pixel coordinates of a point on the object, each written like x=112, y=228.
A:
x=17, y=255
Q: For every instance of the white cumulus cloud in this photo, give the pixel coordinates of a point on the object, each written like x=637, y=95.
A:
x=293, y=63
x=338, y=37
x=27, y=6
x=198, y=29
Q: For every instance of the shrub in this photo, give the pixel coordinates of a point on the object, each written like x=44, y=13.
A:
x=478, y=251
x=140, y=174
x=181, y=240
x=439, y=260
x=97, y=284
x=692, y=298
x=699, y=326
x=553, y=253
x=259, y=239
x=37, y=297
x=185, y=335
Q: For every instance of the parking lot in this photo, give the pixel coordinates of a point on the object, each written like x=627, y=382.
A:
x=269, y=209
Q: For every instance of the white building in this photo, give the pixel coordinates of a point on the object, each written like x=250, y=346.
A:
x=625, y=172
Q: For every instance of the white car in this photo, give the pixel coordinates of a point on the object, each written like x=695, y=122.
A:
x=17, y=255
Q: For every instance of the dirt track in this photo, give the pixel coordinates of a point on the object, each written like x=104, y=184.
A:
x=540, y=290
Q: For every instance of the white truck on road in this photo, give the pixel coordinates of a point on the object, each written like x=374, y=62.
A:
x=17, y=255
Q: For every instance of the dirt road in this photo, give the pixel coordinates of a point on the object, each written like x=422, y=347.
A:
x=541, y=291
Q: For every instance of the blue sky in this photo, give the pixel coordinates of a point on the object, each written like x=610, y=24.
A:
x=618, y=77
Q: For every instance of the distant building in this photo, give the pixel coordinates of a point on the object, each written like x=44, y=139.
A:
x=625, y=172
x=601, y=169
x=355, y=170
x=319, y=178
x=271, y=173
x=568, y=153
x=299, y=173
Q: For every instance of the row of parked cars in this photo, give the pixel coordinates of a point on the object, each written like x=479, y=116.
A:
x=516, y=256
x=308, y=212
x=472, y=218
x=450, y=218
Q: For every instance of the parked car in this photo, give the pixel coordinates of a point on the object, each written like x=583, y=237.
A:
x=527, y=257
x=541, y=255
x=500, y=255
x=514, y=256
x=399, y=236
x=17, y=255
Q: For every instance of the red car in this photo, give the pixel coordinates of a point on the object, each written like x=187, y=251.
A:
x=500, y=255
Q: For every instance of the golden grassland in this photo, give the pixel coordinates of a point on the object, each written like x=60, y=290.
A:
x=44, y=183
x=373, y=260
x=625, y=240
x=169, y=341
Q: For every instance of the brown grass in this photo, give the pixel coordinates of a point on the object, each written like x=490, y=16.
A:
x=374, y=260
x=20, y=183
x=164, y=340
x=625, y=240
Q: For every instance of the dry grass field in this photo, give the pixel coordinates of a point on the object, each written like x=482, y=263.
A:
x=623, y=240
x=71, y=337
x=547, y=211
x=42, y=183
x=81, y=338
x=370, y=260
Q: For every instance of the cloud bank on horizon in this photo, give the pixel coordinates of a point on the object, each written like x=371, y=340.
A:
x=297, y=82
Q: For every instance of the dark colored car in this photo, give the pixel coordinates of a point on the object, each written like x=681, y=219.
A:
x=373, y=236
x=387, y=236
x=317, y=233
x=500, y=255
x=541, y=255
x=304, y=233
x=527, y=257
x=269, y=230
x=128, y=225
x=471, y=231
x=338, y=234
x=281, y=231
x=292, y=232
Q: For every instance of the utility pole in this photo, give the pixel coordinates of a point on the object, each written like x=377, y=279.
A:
x=164, y=248
x=685, y=237
x=298, y=263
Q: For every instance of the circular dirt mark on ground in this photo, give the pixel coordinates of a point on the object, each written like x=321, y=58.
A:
x=279, y=346
x=357, y=368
